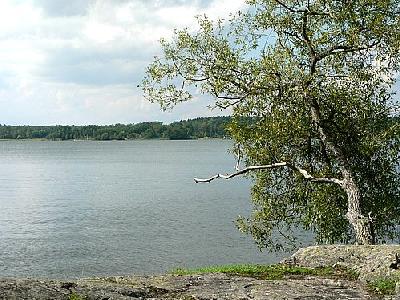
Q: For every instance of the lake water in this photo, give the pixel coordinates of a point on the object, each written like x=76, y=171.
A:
x=84, y=208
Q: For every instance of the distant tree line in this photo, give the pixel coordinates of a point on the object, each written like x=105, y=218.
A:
x=212, y=127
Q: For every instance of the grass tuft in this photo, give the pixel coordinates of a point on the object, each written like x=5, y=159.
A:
x=271, y=272
x=384, y=285
x=75, y=296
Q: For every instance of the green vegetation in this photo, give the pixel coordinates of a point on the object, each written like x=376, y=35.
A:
x=75, y=296
x=213, y=127
x=271, y=272
x=384, y=285
x=316, y=77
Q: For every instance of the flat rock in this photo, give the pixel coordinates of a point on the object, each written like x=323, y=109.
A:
x=188, y=287
x=370, y=262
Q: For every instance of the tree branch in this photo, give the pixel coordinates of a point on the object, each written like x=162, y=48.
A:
x=284, y=5
x=303, y=172
x=307, y=10
x=345, y=49
x=240, y=172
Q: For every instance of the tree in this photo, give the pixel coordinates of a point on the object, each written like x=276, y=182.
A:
x=309, y=85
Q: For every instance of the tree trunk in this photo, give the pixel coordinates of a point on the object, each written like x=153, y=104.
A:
x=362, y=225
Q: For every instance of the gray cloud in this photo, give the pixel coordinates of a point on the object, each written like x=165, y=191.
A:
x=166, y=3
x=57, y=8
x=94, y=66
x=95, y=74
x=120, y=61
x=79, y=61
x=64, y=8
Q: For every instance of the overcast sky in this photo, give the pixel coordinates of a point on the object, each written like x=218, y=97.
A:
x=79, y=61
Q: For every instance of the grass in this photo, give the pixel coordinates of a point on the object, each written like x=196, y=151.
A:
x=271, y=272
x=384, y=285
x=74, y=296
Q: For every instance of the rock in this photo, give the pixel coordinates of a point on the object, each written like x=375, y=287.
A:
x=32, y=289
x=189, y=287
x=370, y=262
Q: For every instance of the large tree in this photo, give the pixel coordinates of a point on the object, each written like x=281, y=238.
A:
x=309, y=84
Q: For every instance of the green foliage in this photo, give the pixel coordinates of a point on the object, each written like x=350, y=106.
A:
x=75, y=296
x=270, y=272
x=315, y=78
x=213, y=127
x=384, y=285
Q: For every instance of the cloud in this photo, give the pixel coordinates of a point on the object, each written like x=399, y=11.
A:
x=18, y=20
x=56, y=8
x=65, y=104
x=79, y=61
x=94, y=66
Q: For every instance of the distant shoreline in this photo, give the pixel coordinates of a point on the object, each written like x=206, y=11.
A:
x=211, y=127
x=114, y=140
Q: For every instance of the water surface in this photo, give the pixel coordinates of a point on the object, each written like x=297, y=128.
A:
x=85, y=208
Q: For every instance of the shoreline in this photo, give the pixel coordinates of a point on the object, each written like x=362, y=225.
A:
x=336, y=272
x=114, y=140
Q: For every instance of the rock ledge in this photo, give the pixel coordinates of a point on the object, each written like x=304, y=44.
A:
x=188, y=287
x=370, y=262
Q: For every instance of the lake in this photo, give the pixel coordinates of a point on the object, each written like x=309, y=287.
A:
x=84, y=208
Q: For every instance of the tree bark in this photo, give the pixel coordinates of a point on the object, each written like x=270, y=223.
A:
x=362, y=225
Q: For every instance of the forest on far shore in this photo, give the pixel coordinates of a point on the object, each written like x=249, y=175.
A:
x=210, y=127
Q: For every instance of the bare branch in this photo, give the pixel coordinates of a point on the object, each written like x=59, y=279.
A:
x=286, y=6
x=333, y=76
x=345, y=49
x=303, y=172
x=228, y=97
x=240, y=172
x=291, y=9
x=239, y=158
x=308, y=176
x=229, y=102
x=292, y=34
x=306, y=38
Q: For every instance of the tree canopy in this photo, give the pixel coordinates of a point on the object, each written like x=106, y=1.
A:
x=211, y=127
x=316, y=80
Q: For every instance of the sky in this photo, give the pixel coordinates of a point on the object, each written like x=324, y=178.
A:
x=78, y=62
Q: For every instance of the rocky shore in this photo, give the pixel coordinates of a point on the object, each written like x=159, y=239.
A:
x=370, y=262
